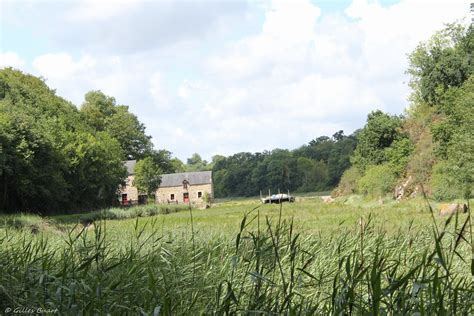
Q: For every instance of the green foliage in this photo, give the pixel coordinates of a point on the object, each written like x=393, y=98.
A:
x=147, y=176
x=313, y=167
x=398, y=154
x=177, y=165
x=443, y=184
x=314, y=175
x=196, y=163
x=454, y=138
x=378, y=180
x=446, y=61
x=377, y=135
x=453, y=177
x=103, y=114
x=349, y=182
x=206, y=198
x=163, y=159
x=51, y=160
x=438, y=128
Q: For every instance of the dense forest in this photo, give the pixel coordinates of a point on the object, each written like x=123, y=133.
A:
x=316, y=166
x=56, y=157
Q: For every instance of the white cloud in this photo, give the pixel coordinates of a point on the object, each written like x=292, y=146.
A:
x=291, y=21
x=188, y=88
x=297, y=74
x=62, y=65
x=88, y=10
x=11, y=59
x=158, y=91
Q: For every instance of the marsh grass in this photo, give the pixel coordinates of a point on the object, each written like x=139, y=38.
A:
x=36, y=222
x=268, y=266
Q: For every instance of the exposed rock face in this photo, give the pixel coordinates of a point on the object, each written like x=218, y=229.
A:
x=407, y=189
x=451, y=208
x=400, y=190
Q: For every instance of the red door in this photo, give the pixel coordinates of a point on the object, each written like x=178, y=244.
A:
x=124, y=199
x=186, y=197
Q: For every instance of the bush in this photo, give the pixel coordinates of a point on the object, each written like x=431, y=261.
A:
x=398, y=154
x=378, y=180
x=348, y=183
x=443, y=184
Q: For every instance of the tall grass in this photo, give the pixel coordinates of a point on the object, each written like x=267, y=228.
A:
x=36, y=222
x=269, y=267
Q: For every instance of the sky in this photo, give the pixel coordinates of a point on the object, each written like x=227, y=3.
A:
x=222, y=77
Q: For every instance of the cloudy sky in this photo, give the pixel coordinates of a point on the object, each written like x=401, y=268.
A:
x=221, y=77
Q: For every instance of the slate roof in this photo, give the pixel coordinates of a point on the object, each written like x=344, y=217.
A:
x=130, y=165
x=176, y=179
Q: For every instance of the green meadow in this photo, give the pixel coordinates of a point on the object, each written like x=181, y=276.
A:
x=352, y=256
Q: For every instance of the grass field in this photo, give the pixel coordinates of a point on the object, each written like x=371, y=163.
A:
x=241, y=257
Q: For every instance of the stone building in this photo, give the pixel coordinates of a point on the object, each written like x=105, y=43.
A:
x=129, y=193
x=174, y=188
x=185, y=187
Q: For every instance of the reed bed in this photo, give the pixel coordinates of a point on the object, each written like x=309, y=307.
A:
x=268, y=267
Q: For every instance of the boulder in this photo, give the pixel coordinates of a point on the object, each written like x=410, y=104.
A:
x=327, y=199
x=451, y=208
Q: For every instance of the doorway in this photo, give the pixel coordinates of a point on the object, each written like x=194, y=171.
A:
x=186, y=197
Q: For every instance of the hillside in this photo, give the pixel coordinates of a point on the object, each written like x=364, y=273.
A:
x=431, y=147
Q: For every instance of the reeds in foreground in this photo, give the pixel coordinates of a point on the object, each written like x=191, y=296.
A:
x=269, y=268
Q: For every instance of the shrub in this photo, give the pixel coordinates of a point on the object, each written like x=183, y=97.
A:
x=348, y=183
x=378, y=180
x=443, y=184
x=206, y=198
x=398, y=154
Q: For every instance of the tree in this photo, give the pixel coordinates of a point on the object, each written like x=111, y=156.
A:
x=162, y=158
x=380, y=131
x=177, y=165
x=454, y=138
x=378, y=180
x=196, y=163
x=194, y=159
x=129, y=132
x=103, y=114
x=147, y=176
x=51, y=159
x=446, y=61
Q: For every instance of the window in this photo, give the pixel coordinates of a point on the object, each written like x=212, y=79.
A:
x=199, y=194
x=172, y=197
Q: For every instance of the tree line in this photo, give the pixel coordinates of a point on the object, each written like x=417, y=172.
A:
x=55, y=157
x=316, y=166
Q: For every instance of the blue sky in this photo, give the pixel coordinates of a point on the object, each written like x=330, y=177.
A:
x=221, y=77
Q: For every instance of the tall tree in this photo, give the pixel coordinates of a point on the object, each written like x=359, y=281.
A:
x=51, y=160
x=377, y=135
x=147, y=176
x=103, y=114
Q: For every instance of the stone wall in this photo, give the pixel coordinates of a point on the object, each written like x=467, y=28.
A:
x=129, y=189
x=163, y=195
